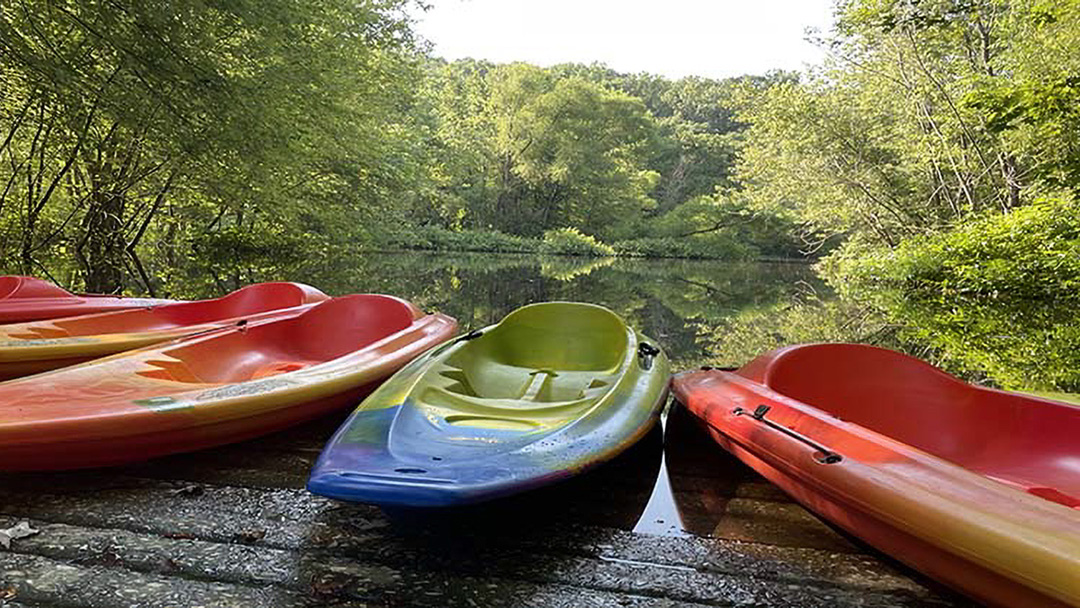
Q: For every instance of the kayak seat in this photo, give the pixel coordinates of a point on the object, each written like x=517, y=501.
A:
x=324, y=332
x=540, y=368
x=529, y=390
x=523, y=384
x=538, y=397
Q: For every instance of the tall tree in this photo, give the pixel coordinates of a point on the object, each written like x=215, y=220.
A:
x=115, y=114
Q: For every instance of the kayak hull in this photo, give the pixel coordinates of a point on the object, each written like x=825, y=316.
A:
x=24, y=299
x=988, y=586
x=39, y=346
x=218, y=387
x=923, y=484
x=553, y=390
x=102, y=452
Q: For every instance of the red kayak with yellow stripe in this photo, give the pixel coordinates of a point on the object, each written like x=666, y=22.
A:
x=30, y=299
x=217, y=387
x=978, y=488
x=38, y=346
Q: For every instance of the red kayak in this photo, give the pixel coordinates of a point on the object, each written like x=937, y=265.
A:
x=218, y=387
x=38, y=346
x=976, y=487
x=28, y=299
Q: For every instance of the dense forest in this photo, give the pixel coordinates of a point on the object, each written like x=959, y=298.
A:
x=144, y=141
x=929, y=166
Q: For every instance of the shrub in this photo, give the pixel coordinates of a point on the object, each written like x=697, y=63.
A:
x=566, y=241
x=570, y=241
x=995, y=298
x=433, y=238
x=685, y=247
x=1032, y=252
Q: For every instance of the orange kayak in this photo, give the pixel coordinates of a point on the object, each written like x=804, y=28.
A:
x=30, y=348
x=976, y=487
x=217, y=387
x=28, y=299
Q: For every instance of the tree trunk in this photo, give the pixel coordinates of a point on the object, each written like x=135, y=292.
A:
x=104, y=247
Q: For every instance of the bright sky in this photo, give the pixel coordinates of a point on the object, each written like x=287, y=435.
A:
x=675, y=38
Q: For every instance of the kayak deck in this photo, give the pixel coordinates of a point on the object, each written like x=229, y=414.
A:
x=922, y=407
x=39, y=346
x=233, y=526
x=968, y=484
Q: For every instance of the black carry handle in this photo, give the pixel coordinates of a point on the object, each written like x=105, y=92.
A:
x=646, y=353
x=823, y=454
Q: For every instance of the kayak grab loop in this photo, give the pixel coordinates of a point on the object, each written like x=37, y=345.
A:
x=646, y=353
x=823, y=454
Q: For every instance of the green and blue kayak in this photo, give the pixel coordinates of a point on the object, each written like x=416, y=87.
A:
x=550, y=391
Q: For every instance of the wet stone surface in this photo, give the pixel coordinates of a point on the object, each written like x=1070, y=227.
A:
x=680, y=524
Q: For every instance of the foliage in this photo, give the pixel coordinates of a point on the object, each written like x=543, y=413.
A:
x=997, y=295
x=932, y=113
x=435, y=238
x=127, y=131
x=704, y=247
x=1029, y=253
x=520, y=151
x=571, y=241
x=802, y=319
x=523, y=150
x=567, y=241
x=938, y=147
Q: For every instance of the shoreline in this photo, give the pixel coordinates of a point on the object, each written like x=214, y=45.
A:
x=761, y=259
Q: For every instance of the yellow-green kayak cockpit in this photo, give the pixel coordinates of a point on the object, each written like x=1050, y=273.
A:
x=535, y=370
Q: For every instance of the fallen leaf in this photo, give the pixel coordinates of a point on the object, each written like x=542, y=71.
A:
x=249, y=536
x=19, y=530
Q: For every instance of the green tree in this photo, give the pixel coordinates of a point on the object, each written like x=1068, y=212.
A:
x=126, y=122
x=522, y=150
